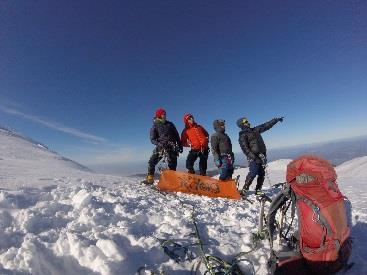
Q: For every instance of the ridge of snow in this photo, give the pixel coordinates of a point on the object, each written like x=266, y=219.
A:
x=24, y=162
x=17, y=146
x=353, y=168
x=14, y=133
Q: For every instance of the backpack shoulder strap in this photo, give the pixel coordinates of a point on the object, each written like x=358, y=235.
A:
x=277, y=203
x=320, y=219
x=293, y=211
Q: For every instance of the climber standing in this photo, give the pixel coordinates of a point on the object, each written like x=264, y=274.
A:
x=253, y=146
x=197, y=138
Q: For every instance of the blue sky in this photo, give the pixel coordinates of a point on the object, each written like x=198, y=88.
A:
x=85, y=77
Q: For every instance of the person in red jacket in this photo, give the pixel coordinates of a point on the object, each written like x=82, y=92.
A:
x=196, y=137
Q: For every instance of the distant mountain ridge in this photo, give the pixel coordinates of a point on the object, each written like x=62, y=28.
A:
x=14, y=133
x=7, y=132
x=336, y=151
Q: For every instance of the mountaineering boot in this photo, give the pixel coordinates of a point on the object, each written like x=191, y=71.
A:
x=259, y=184
x=247, y=184
x=149, y=179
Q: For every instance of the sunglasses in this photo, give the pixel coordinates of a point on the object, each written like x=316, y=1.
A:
x=245, y=121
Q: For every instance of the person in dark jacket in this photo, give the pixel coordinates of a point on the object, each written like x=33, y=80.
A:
x=221, y=147
x=197, y=138
x=165, y=137
x=253, y=146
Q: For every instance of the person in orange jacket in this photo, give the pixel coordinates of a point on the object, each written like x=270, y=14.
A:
x=196, y=137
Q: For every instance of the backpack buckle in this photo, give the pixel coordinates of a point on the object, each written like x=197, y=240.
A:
x=316, y=212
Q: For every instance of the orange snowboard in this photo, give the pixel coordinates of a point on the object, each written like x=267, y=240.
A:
x=174, y=181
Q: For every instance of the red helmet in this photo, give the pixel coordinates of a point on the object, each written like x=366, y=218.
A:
x=187, y=117
x=160, y=112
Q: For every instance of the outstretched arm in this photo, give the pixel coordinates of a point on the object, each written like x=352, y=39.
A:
x=267, y=125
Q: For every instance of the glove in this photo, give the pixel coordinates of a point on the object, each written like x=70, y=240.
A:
x=251, y=156
x=263, y=159
x=280, y=119
x=180, y=150
x=218, y=163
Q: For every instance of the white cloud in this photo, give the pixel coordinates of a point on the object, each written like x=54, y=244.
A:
x=53, y=125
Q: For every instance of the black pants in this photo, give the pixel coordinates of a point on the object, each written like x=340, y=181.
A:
x=203, y=163
x=157, y=155
x=255, y=169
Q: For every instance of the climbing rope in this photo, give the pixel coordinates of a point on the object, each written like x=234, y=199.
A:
x=215, y=265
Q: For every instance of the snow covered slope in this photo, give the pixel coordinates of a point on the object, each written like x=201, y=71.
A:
x=16, y=147
x=353, y=182
x=25, y=162
x=355, y=168
x=77, y=222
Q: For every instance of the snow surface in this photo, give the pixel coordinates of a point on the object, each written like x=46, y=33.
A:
x=56, y=218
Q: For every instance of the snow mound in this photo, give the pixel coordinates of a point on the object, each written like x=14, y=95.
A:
x=81, y=199
x=354, y=168
x=279, y=165
x=88, y=229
